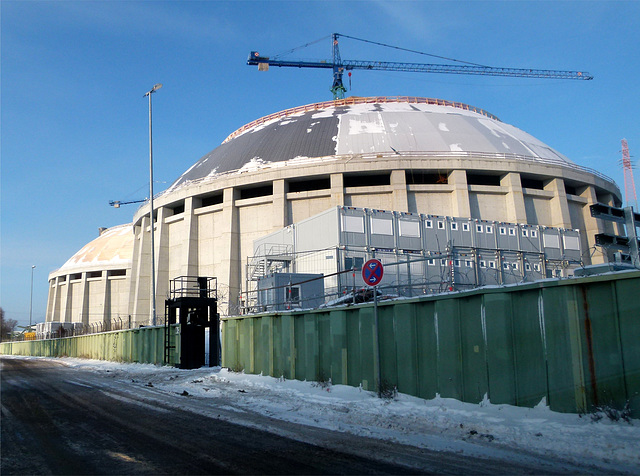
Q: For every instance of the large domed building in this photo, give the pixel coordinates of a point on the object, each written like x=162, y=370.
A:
x=409, y=155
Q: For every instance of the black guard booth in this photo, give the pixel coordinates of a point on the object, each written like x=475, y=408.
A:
x=194, y=305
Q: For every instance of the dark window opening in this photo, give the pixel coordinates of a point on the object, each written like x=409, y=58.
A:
x=211, y=200
x=118, y=272
x=75, y=276
x=94, y=274
x=420, y=178
x=177, y=209
x=367, y=180
x=309, y=185
x=62, y=279
x=570, y=189
x=532, y=183
x=482, y=179
x=256, y=191
x=353, y=263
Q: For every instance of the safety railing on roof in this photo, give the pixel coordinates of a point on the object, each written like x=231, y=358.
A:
x=358, y=100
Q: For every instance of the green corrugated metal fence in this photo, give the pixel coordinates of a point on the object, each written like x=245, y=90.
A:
x=574, y=342
x=144, y=345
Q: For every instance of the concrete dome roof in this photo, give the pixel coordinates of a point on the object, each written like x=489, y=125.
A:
x=365, y=126
x=112, y=249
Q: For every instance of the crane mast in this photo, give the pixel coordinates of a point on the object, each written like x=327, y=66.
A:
x=339, y=66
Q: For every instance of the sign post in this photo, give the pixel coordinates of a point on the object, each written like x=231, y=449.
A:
x=372, y=273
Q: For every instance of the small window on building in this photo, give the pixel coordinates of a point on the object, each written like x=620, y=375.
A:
x=118, y=272
x=456, y=263
x=443, y=262
x=492, y=264
x=512, y=232
x=465, y=227
x=468, y=263
x=479, y=228
x=534, y=234
x=94, y=274
x=75, y=276
x=489, y=229
x=527, y=267
x=536, y=267
x=429, y=224
x=515, y=266
x=505, y=265
x=440, y=225
x=454, y=225
x=503, y=230
x=483, y=263
x=353, y=262
x=292, y=294
x=525, y=232
x=431, y=262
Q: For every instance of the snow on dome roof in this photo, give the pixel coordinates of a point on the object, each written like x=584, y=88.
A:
x=364, y=126
x=113, y=248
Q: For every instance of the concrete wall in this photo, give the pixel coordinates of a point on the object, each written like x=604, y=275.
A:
x=196, y=235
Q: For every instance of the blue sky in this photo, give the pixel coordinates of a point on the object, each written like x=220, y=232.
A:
x=75, y=122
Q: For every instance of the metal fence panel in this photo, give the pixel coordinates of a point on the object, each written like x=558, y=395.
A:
x=529, y=353
x=602, y=351
x=498, y=318
x=472, y=347
x=426, y=349
x=449, y=351
x=628, y=307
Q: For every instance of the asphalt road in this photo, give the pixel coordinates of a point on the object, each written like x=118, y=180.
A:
x=60, y=420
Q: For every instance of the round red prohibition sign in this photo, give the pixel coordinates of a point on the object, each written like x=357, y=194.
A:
x=372, y=272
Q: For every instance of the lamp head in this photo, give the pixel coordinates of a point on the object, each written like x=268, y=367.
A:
x=154, y=89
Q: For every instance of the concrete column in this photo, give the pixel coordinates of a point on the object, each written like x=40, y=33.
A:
x=189, y=266
x=558, y=206
x=230, y=242
x=68, y=302
x=106, y=299
x=591, y=253
x=337, y=190
x=280, y=215
x=161, y=248
x=399, y=191
x=141, y=273
x=460, y=195
x=55, y=312
x=50, y=301
x=84, y=300
x=514, y=201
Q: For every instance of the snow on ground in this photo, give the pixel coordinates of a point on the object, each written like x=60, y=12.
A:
x=438, y=424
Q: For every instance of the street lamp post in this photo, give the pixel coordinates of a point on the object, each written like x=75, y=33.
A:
x=153, y=256
x=31, y=300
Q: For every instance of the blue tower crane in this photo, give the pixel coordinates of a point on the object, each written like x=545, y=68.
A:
x=339, y=66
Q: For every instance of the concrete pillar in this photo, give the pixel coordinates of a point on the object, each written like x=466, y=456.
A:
x=337, y=190
x=84, y=300
x=68, y=302
x=591, y=253
x=50, y=300
x=558, y=206
x=460, y=195
x=55, y=313
x=280, y=215
x=161, y=249
x=399, y=191
x=189, y=261
x=230, y=242
x=514, y=201
x=106, y=299
x=141, y=272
